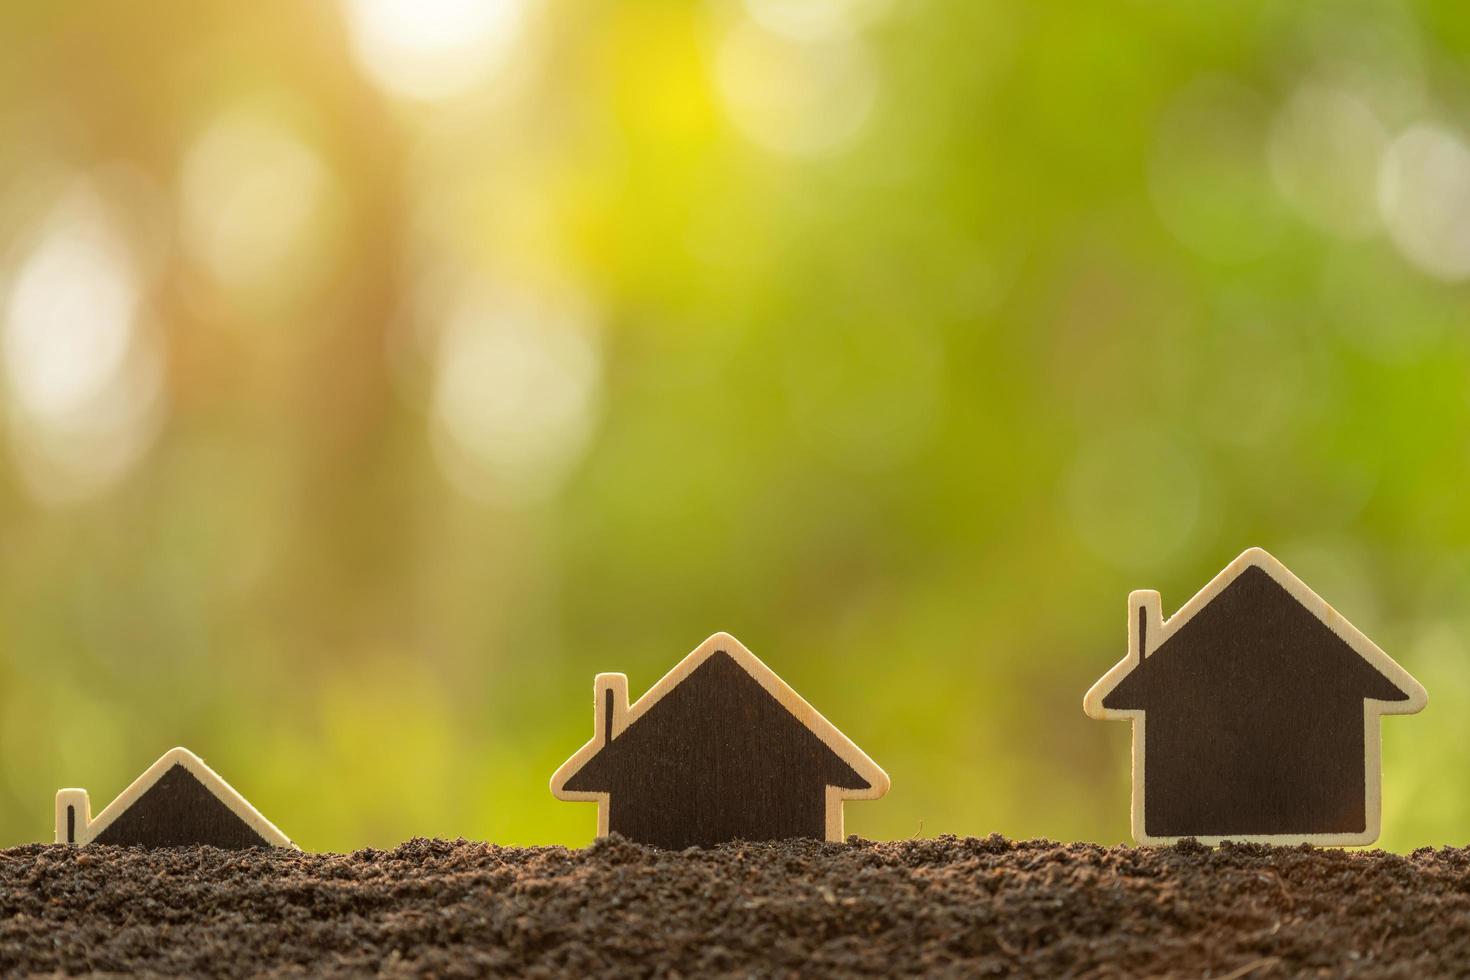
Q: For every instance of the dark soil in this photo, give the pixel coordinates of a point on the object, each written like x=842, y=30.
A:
x=941, y=907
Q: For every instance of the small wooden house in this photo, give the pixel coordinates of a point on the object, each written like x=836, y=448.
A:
x=178, y=801
x=720, y=749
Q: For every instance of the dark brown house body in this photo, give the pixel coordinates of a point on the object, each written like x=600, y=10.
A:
x=1254, y=720
x=178, y=801
x=179, y=811
x=1256, y=713
x=716, y=756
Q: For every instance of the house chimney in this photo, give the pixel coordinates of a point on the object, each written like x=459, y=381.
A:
x=612, y=705
x=1145, y=622
x=73, y=814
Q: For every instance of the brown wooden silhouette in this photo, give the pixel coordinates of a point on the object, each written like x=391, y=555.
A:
x=1256, y=713
x=719, y=750
x=178, y=801
x=177, y=811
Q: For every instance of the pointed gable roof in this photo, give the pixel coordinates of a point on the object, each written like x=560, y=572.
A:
x=721, y=660
x=178, y=801
x=753, y=721
x=1257, y=593
x=1269, y=692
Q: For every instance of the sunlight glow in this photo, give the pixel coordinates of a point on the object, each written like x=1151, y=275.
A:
x=250, y=192
x=796, y=97
x=82, y=379
x=815, y=19
x=1324, y=149
x=1424, y=194
x=433, y=49
x=516, y=395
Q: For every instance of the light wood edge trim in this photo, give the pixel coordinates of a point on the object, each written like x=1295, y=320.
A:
x=1158, y=631
x=89, y=828
x=840, y=744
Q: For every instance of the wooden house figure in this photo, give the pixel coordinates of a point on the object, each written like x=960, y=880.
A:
x=720, y=749
x=1255, y=712
x=178, y=801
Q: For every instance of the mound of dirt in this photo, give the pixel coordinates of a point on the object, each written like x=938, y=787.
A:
x=944, y=906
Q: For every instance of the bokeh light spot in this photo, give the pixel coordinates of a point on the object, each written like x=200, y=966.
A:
x=432, y=49
x=516, y=395
x=797, y=97
x=81, y=377
x=1424, y=193
x=251, y=191
x=1325, y=148
x=815, y=19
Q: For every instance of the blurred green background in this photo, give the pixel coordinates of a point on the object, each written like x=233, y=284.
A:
x=376, y=372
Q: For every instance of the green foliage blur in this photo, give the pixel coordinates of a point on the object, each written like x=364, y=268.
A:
x=376, y=372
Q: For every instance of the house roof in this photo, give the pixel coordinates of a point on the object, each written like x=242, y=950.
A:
x=718, y=722
x=207, y=777
x=1149, y=633
x=875, y=781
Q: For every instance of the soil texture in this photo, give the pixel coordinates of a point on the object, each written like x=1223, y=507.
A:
x=940, y=907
